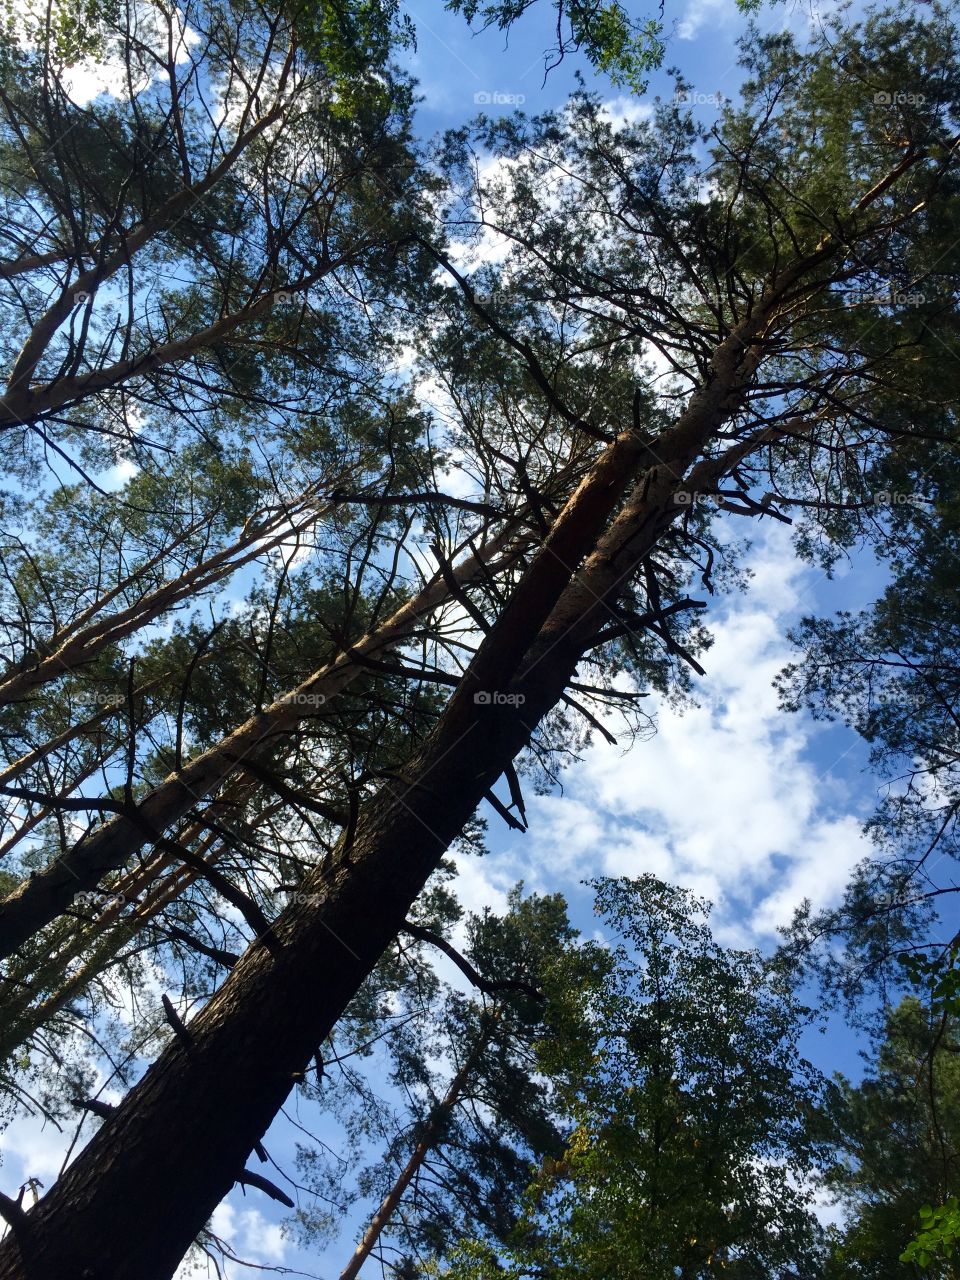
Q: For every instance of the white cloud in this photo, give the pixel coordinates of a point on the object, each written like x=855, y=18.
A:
x=625, y=110
x=89, y=80
x=484, y=882
x=701, y=12
x=119, y=76
x=726, y=800
x=485, y=247
x=249, y=1233
x=116, y=477
x=34, y=1148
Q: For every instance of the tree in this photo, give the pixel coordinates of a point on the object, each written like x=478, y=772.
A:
x=612, y=40
x=173, y=301
x=185, y=181
x=777, y=381
x=690, y=1147
x=896, y=1144
x=892, y=672
x=478, y=1125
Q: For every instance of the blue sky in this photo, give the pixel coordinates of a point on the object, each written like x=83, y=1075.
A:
x=453, y=65
x=750, y=807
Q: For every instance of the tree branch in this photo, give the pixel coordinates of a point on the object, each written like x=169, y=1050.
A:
x=465, y=967
x=249, y=1179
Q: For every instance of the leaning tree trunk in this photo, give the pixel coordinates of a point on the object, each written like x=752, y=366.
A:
x=131, y=1204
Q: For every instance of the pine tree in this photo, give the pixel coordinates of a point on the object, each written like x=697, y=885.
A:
x=738, y=268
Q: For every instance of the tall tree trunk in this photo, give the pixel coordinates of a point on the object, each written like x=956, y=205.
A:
x=428, y=1140
x=130, y=1205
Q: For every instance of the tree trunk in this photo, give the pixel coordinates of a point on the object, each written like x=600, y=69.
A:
x=133, y=1201
x=428, y=1141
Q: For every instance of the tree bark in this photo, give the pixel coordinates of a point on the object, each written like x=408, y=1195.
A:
x=130, y=1205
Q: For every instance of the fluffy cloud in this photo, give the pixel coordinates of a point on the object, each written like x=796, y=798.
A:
x=116, y=78
x=249, y=1235
x=624, y=110
x=733, y=798
x=700, y=12
x=33, y=1148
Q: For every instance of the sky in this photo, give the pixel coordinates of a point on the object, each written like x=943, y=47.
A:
x=751, y=807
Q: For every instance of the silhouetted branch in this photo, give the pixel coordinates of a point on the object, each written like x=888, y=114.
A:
x=465, y=967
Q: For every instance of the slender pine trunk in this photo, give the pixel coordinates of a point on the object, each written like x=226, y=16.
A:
x=96, y=629
x=432, y=1132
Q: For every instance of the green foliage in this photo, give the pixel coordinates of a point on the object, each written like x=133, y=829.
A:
x=653, y=1114
x=616, y=43
x=484, y=1143
x=895, y=1141
x=677, y=1065
x=938, y=1235
x=353, y=42
x=74, y=30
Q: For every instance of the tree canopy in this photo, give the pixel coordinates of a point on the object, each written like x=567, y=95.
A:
x=353, y=484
